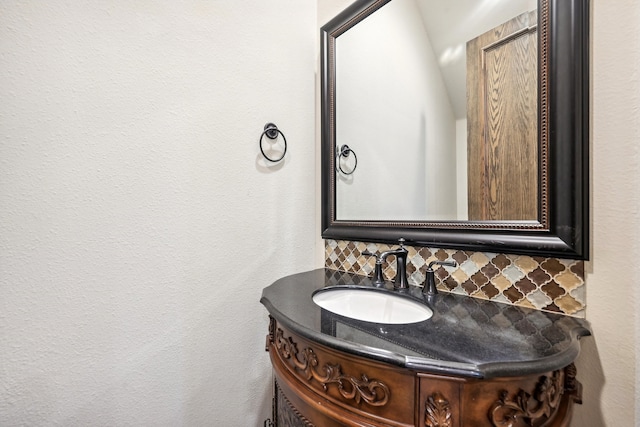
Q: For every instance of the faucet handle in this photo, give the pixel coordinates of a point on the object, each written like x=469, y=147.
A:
x=446, y=263
x=377, y=271
x=366, y=252
x=429, y=287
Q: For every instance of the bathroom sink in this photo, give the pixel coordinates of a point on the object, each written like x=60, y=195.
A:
x=372, y=305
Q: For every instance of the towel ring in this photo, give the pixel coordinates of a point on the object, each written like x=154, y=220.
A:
x=272, y=131
x=345, y=151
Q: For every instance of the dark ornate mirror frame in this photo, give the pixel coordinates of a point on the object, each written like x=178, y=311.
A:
x=563, y=226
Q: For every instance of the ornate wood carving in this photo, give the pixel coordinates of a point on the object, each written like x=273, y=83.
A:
x=570, y=382
x=287, y=414
x=373, y=392
x=438, y=411
x=272, y=332
x=532, y=408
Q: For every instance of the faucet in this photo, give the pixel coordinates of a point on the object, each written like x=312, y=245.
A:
x=429, y=287
x=400, y=281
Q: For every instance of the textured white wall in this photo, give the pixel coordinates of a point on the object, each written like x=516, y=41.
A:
x=138, y=224
x=608, y=365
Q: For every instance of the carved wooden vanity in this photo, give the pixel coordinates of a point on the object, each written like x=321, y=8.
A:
x=318, y=386
x=331, y=373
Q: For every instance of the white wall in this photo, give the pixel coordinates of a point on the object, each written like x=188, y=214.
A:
x=138, y=223
x=608, y=365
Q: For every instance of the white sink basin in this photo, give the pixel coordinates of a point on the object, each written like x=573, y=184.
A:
x=372, y=305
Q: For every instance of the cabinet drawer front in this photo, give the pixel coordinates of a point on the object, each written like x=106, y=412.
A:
x=366, y=388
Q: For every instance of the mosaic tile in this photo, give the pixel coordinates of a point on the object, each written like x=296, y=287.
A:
x=539, y=299
x=469, y=287
x=458, y=290
x=513, y=273
x=416, y=277
x=513, y=294
x=568, y=280
x=460, y=257
x=441, y=255
x=548, y=284
x=460, y=275
x=579, y=295
x=351, y=259
x=526, y=303
x=478, y=294
x=553, y=290
x=480, y=259
x=501, y=283
x=469, y=267
x=525, y=286
x=450, y=283
x=526, y=263
x=367, y=269
x=490, y=291
x=417, y=260
x=425, y=253
x=372, y=247
x=441, y=273
x=490, y=270
x=502, y=299
x=552, y=266
x=539, y=276
x=578, y=268
x=554, y=308
x=501, y=261
x=480, y=279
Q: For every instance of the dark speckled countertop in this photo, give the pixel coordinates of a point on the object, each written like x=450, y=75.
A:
x=466, y=336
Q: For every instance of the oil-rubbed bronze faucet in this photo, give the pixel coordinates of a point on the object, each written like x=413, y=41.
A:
x=400, y=281
x=429, y=287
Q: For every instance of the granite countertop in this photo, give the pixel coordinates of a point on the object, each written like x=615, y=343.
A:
x=466, y=336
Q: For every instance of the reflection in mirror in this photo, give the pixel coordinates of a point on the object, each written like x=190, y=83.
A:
x=440, y=101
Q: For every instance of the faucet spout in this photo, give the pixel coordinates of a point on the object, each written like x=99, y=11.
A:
x=400, y=281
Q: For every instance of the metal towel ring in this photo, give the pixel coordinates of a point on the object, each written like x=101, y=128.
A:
x=345, y=151
x=272, y=131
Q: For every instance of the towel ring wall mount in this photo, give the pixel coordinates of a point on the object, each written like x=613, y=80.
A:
x=345, y=151
x=271, y=131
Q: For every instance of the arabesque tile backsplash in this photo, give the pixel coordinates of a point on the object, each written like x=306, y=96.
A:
x=548, y=284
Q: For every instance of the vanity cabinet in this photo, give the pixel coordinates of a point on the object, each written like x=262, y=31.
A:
x=319, y=386
x=473, y=363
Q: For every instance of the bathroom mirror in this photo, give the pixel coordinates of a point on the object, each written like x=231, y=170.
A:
x=465, y=122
